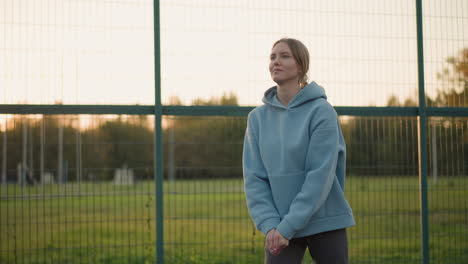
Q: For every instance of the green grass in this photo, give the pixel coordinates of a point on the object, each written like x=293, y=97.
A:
x=206, y=221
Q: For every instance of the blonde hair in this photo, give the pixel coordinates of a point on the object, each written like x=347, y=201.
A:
x=301, y=55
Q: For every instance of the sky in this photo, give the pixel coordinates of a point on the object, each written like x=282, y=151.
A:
x=101, y=51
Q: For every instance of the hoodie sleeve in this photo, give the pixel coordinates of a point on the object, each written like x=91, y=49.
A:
x=321, y=162
x=256, y=184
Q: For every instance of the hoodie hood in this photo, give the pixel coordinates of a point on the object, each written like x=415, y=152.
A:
x=310, y=92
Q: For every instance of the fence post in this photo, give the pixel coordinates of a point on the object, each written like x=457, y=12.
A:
x=60, y=178
x=4, y=156
x=158, y=159
x=422, y=134
x=23, y=167
x=42, y=158
x=434, y=153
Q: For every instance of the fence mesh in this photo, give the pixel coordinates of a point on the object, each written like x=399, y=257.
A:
x=77, y=190
x=81, y=188
x=448, y=210
x=446, y=52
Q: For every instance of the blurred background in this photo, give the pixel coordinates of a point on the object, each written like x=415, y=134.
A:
x=80, y=188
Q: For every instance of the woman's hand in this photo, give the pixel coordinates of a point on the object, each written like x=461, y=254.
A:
x=275, y=242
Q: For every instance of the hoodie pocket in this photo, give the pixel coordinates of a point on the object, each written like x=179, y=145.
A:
x=285, y=188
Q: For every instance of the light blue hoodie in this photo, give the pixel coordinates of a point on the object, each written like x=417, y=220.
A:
x=294, y=165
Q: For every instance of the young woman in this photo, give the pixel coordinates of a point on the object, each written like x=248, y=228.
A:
x=294, y=165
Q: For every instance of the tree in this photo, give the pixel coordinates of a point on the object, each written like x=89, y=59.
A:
x=456, y=77
x=389, y=146
x=204, y=147
x=124, y=141
x=225, y=99
x=452, y=132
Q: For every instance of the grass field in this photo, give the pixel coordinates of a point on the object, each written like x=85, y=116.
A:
x=206, y=221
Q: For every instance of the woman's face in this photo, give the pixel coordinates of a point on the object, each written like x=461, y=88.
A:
x=283, y=66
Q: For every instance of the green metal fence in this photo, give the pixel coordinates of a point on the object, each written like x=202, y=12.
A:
x=89, y=178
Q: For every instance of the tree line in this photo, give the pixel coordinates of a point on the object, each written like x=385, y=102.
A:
x=211, y=147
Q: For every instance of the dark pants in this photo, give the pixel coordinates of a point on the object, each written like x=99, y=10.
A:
x=325, y=248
